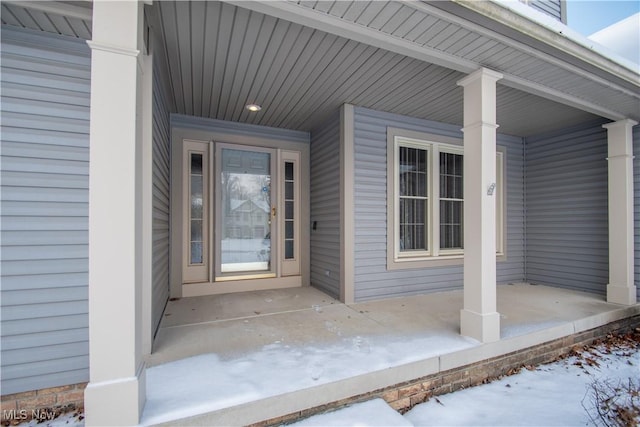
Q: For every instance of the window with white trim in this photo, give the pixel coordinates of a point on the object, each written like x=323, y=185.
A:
x=426, y=201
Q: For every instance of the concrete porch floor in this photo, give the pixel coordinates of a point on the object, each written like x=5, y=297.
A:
x=234, y=325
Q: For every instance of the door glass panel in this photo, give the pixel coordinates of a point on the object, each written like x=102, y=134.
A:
x=196, y=252
x=289, y=211
x=245, y=182
x=288, y=230
x=288, y=249
x=288, y=190
x=288, y=171
x=196, y=218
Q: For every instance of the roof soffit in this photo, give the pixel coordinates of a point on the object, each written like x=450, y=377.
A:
x=220, y=57
x=69, y=18
x=524, y=68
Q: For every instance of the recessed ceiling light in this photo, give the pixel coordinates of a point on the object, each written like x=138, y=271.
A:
x=253, y=107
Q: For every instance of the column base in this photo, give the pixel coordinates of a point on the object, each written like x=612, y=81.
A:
x=625, y=295
x=482, y=327
x=115, y=403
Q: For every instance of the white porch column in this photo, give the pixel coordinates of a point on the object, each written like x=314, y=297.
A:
x=479, y=318
x=621, y=288
x=116, y=391
x=146, y=190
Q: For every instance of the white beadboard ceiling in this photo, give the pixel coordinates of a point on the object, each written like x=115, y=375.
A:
x=220, y=57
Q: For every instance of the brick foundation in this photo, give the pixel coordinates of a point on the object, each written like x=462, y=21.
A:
x=403, y=397
x=41, y=404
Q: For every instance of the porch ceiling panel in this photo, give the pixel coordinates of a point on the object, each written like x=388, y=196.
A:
x=431, y=26
x=222, y=57
x=524, y=115
x=69, y=18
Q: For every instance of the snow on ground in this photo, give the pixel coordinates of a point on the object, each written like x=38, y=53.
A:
x=70, y=419
x=372, y=413
x=549, y=395
x=553, y=394
x=208, y=382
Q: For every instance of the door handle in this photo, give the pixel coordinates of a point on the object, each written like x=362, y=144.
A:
x=273, y=212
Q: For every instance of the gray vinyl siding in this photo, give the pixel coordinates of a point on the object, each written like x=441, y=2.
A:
x=161, y=193
x=636, y=206
x=372, y=279
x=511, y=269
x=223, y=127
x=550, y=7
x=567, y=228
x=44, y=230
x=325, y=207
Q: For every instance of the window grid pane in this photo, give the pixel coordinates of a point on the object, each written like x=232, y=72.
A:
x=289, y=219
x=413, y=200
x=451, y=201
x=451, y=224
x=196, y=237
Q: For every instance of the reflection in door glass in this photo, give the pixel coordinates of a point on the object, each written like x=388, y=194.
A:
x=245, y=182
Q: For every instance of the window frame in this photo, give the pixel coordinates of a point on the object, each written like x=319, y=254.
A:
x=434, y=256
x=408, y=142
x=443, y=148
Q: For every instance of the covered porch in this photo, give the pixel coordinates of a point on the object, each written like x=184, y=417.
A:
x=343, y=94
x=240, y=359
x=545, y=120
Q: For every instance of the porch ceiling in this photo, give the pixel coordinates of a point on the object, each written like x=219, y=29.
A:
x=222, y=57
x=69, y=18
x=302, y=60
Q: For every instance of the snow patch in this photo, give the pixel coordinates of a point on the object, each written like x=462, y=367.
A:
x=208, y=383
x=551, y=395
x=562, y=29
x=372, y=413
x=70, y=419
x=623, y=38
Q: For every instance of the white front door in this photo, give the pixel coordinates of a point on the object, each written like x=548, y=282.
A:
x=241, y=212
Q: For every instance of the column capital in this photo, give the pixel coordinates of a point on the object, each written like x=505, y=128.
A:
x=482, y=73
x=113, y=49
x=478, y=125
x=620, y=138
x=624, y=123
x=125, y=16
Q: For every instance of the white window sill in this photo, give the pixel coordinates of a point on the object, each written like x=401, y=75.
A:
x=408, y=262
